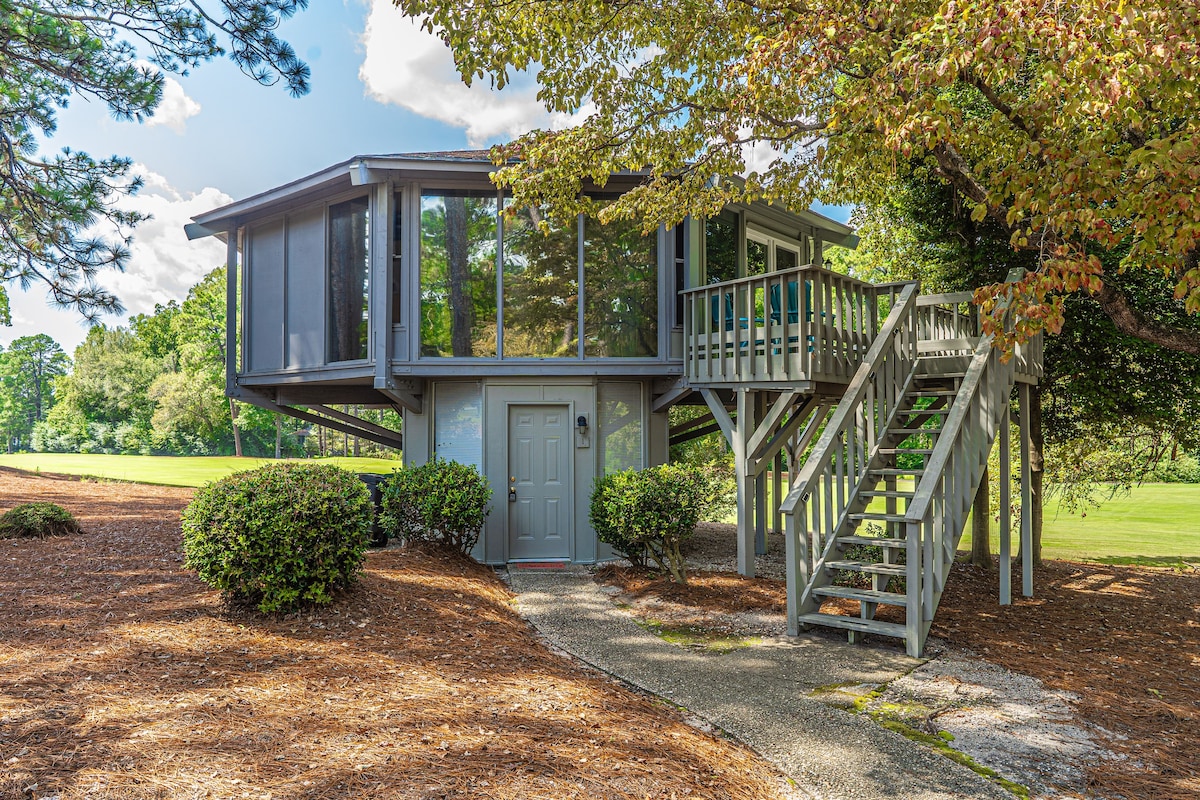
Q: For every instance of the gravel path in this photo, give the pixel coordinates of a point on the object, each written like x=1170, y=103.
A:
x=758, y=695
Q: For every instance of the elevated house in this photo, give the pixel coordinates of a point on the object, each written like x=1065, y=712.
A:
x=548, y=360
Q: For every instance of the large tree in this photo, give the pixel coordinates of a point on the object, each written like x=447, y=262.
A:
x=1073, y=126
x=1101, y=387
x=61, y=223
x=27, y=374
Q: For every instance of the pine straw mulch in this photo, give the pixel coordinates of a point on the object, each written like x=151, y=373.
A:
x=1125, y=640
x=122, y=676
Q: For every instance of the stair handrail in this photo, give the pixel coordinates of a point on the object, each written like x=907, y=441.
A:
x=918, y=507
x=842, y=416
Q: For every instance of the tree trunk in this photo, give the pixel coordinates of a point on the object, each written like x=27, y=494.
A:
x=237, y=434
x=981, y=524
x=458, y=271
x=1037, y=463
x=278, y=437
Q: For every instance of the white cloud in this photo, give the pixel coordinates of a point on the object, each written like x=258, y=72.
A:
x=163, y=264
x=406, y=66
x=175, y=108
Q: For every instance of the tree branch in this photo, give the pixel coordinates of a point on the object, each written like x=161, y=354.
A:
x=1134, y=323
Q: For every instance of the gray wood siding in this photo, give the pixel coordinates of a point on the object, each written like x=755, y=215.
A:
x=306, y=288
x=265, y=297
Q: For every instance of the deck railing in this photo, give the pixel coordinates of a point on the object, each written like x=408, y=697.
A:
x=949, y=325
x=806, y=323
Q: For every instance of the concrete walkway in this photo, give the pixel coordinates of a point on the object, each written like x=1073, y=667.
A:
x=758, y=694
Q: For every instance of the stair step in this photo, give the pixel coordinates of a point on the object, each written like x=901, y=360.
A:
x=886, y=493
x=862, y=595
x=896, y=471
x=878, y=516
x=940, y=376
x=873, y=541
x=914, y=431
x=919, y=392
x=914, y=411
x=868, y=567
x=855, y=624
x=893, y=451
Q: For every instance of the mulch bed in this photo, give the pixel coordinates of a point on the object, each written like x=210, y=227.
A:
x=1125, y=640
x=122, y=676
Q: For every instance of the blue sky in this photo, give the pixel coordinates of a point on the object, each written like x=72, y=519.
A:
x=379, y=85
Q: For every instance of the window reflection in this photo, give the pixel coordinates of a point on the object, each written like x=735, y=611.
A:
x=541, y=288
x=620, y=426
x=620, y=290
x=720, y=249
x=756, y=257
x=458, y=274
x=347, y=278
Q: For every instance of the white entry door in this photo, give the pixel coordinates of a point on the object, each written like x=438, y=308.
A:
x=539, y=487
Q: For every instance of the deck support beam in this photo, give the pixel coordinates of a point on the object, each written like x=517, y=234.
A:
x=1005, y=509
x=1026, y=496
x=737, y=433
x=757, y=435
x=391, y=439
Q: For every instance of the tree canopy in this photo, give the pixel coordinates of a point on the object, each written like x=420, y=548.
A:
x=1073, y=126
x=61, y=223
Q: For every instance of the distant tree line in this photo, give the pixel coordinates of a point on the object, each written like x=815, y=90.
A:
x=156, y=387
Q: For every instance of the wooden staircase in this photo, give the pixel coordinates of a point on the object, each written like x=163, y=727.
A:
x=878, y=508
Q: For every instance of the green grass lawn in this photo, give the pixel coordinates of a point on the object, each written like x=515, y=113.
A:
x=1155, y=524
x=167, y=470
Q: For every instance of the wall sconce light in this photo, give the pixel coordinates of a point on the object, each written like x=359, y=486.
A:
x=581, y=424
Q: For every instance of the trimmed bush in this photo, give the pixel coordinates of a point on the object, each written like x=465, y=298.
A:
x=280, y=538
x=648, y=514
x=37, y=520
x=443, y=503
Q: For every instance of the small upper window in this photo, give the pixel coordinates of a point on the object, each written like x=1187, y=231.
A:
x=348, y=280
x=720, y=249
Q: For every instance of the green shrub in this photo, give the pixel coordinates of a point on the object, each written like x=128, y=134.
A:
x=1184, y=469
x=37, y=520
x=280, y=538
x=443, y=503
x=649, y=514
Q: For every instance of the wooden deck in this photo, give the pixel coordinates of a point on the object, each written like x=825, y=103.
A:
x=810, y=325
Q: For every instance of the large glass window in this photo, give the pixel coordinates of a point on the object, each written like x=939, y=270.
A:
x=348, y=272
x=786, y=257
x=757, y=257
x=458, y=274
x=541, y=288
x=397, y=254
x=620, y=269
x=720, y=249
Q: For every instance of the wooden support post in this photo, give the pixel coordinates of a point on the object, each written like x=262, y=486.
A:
x=777, y=492
x=746, y=483
x=737, y=433
x=1026, y=498
x=760, y=486
x=1005, y=510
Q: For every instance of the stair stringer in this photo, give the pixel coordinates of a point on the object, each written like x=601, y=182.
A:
x=845, y=524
